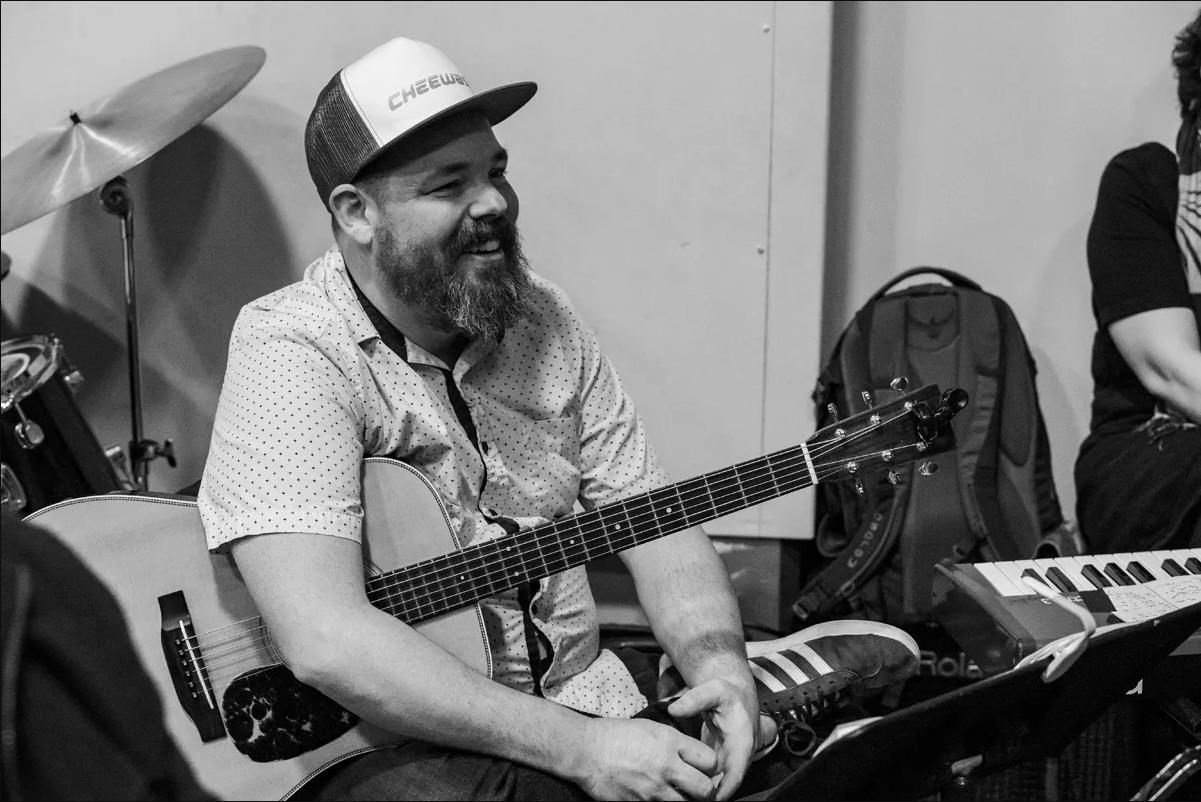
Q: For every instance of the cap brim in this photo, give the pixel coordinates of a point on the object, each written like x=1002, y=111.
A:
x=497, y=104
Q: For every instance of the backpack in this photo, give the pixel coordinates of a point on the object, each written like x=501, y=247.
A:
x=992, y=498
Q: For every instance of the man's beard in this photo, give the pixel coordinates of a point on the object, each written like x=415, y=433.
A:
x=453, y=299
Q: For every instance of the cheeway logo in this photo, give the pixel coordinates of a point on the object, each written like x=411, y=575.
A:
x=402, y=97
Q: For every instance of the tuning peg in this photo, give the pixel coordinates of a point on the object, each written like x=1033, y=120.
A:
x=899, y=384
x=867, y=398
x=833, y=412
x=895, y=478
x=859, y=486
x=928, y=468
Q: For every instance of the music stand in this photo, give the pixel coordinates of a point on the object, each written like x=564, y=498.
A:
x=992, y=724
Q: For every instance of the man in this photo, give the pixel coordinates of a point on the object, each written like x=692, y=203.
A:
x=1138, y=474
x=422, y=335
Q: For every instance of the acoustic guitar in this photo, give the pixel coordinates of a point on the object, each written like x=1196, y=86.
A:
x=250, y=730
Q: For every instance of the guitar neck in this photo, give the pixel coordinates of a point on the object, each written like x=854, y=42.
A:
x=434, y=587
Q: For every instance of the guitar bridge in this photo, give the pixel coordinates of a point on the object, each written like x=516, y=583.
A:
x=185, y=662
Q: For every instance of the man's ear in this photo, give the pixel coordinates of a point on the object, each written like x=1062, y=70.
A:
x=353, y=211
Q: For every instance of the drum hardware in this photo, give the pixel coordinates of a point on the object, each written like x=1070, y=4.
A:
x=28, y=433
x=120, y=462
x=49, y=451
x=93, y=148
x=12, y=495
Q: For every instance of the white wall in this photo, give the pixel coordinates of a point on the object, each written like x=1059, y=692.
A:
x=671, y=171
x=646, y=168
x=972, y=136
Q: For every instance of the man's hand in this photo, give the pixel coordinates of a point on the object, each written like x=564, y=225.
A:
x=642, y=759
x=733, y=727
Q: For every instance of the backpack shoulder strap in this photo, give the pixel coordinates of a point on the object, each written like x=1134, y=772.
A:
x=840, y=580
x=982, y=367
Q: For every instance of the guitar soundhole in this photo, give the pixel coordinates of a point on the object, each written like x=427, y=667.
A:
x=271, y=716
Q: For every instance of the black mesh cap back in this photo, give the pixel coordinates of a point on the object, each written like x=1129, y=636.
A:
x=337, y=143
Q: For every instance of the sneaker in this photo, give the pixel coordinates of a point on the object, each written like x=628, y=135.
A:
x=802, y=676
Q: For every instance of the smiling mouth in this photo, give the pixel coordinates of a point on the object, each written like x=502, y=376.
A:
x=484, y=248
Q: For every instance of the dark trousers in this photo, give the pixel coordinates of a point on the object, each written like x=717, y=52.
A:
x=1140, y=490
x=419, y=770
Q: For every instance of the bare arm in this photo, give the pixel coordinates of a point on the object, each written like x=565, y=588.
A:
x=1162, y=348
x=310, y=591
x=687, y=596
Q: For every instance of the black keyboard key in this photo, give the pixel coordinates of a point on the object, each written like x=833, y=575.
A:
x=1193, y=564
x=1173, y=568
x=1060, y=580
x=1119, y=576
x=1140, y=573
x=1096, y=577
x=1030, y=572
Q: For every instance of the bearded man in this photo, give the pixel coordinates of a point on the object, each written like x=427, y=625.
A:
x=421, y=335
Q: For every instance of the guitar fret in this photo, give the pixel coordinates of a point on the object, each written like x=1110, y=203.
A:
x=491, y=567
x=555, y=556
x=727, y=492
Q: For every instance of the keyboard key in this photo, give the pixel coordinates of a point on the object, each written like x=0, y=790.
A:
x=1193, y=565
x=1119, y=576
x=1136, y=570
x=1060, y=580
x=1173, y=568
x=1073, y=568
x=1095, y=576
x=1152, y=563
x=1001, y=582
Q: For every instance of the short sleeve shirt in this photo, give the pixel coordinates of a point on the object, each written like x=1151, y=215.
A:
x=1135, y=266
x=311, y=390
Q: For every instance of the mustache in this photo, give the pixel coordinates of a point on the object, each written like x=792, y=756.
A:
x=474, y=233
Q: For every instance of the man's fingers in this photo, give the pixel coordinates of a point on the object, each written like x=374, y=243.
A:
x=698, y=755
x=692, y=783
x=734, y=768
x=695, y=700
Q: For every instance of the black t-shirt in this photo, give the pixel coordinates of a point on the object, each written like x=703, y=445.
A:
x=1135, y=267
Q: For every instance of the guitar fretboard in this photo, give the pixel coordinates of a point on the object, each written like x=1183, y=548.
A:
x=434, y=587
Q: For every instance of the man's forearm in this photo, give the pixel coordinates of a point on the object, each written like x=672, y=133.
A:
x=687, y=596
x=395, y=678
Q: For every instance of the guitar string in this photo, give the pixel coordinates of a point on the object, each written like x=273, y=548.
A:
x=232, y=647
x=826, y=471
x=483, y=559
x=834, y=444
x=559, y=531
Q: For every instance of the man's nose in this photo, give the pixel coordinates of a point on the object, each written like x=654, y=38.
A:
x=489, y=202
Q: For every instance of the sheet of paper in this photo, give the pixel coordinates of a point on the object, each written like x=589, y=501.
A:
x=1134, y=603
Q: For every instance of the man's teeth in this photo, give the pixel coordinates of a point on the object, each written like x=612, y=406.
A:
x=487, y=247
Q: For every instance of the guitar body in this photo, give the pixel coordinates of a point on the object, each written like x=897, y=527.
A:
x=251, y=731
x=151, y=547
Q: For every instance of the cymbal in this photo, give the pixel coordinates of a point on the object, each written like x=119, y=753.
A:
x=106, y=138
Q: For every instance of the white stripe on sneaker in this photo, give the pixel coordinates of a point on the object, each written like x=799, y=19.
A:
x=795, y=672
x=815, y=659
x=768, y=679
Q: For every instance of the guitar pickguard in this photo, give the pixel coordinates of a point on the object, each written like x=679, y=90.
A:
x=270, y=716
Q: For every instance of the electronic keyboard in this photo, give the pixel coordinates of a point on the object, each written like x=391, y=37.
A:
x=998, y=619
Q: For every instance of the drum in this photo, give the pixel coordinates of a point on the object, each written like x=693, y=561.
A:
x=48, y=450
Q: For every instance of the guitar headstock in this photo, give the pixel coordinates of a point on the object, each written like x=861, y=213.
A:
x=913, y=426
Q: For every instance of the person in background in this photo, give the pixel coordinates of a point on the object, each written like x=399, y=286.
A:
x=423, y=335
x=1138, y=473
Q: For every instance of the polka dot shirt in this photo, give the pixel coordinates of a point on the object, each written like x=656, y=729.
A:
x=311, y=389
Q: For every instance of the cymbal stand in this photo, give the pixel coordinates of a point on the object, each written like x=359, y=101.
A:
x=118, y=200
